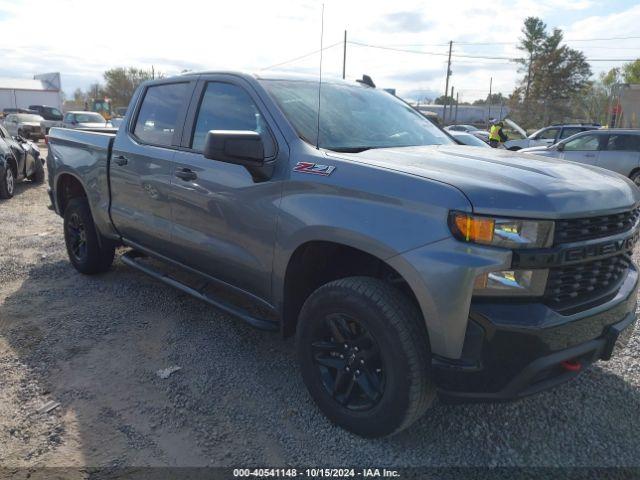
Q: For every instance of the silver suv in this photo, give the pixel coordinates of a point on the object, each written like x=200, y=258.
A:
x=613, y=149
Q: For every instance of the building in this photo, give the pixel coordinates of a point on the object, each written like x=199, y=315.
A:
x=478, y=115
x=43, y=89
x=628, y=109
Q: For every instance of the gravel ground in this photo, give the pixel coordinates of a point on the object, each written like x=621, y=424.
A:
x=94, y=344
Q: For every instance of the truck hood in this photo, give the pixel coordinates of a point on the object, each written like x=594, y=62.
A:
x=502, y=182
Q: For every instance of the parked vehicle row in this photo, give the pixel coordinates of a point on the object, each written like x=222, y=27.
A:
x=404, y=264
x=545, y=136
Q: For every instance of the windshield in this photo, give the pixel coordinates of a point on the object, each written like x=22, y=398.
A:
x=89, y=118
x=30, y=118
x=352, y=117
x=471, y=140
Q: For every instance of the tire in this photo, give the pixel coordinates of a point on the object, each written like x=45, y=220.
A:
x=635, y=178
x=393, y=346
x=86, y=253
x=7, y=183
x=38, y=175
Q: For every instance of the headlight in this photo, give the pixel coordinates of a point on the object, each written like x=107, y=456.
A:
x=501, y=232
x=511, y=283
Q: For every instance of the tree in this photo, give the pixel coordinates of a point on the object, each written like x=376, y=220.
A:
x=556, y=75
x=444, y=100
x=494, y=99
x=120, y=83
x=631, y=72
x=535, y=33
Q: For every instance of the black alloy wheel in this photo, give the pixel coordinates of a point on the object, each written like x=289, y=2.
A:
x=349, y=362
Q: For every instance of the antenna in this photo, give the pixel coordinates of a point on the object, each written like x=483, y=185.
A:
x=320, y=77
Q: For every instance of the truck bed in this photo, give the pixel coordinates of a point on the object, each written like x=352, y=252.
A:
x=85, y=155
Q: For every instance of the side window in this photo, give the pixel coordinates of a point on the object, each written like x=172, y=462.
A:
x=548, y=134
x=228, y=107
x=158, y=115
x=68, y=118
x=624, y=143
x=567, y=132
x=585, y=143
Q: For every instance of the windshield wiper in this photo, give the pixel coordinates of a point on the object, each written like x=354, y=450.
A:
x=350, y=149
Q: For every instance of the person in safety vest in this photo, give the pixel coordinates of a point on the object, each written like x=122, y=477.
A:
x=496, y=135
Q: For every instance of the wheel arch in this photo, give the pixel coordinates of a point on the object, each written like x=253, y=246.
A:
x=317, y=262
x=68, y=186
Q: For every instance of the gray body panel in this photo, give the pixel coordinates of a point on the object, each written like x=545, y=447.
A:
x=391, y=203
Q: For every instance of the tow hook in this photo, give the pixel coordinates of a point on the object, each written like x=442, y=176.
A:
x=571, y=365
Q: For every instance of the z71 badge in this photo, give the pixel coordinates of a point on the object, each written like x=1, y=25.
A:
x=314, y=168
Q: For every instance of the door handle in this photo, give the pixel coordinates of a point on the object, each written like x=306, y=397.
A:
x=186, y=174
x=121, y=160
x=590, y=155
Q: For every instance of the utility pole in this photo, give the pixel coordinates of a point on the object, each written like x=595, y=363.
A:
x=455, y=118
x=446, y=86
x=489, y=100
x=344, y=55
x=451, y=105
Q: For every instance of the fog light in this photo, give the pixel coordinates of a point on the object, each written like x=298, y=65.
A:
x=511, y=283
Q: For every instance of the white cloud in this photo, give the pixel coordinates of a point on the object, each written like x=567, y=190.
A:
x=82, y=39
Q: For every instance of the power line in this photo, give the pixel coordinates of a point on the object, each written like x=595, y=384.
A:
x=484, y=57
x=302, y=56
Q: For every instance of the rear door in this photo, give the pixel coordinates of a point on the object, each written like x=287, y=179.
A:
x=583, y=148
x=142, y=165
x=621, y=153
x=224, y=220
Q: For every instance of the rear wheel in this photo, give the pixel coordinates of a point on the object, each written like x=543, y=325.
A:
x=86, y=253
x=635, y=178
x=7, y=183
x=364, y=356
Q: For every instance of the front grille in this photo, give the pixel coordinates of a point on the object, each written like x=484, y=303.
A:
x=586, y=282
x=579, y=229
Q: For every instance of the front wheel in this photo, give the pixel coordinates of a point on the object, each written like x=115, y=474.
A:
x=87, y=254
x=364, y=355
x=635, y=178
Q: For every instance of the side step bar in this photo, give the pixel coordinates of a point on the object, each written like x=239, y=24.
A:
x=129, y=258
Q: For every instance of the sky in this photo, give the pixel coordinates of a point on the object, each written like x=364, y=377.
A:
x=81, y=39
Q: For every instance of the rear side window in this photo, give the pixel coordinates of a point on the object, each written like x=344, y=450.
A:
x=158, y=115
x=567, y=132
x=624, y=143
x=228, y=107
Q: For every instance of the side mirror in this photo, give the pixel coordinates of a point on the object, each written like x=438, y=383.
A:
x=560, y=146
x=242, y=147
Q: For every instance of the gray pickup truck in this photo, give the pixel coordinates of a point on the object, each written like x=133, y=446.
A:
x=405, y=265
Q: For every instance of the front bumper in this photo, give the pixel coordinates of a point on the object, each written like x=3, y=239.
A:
x=512, y=350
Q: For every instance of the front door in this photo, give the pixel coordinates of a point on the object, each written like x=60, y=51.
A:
x=142, y=165
x=224, y=220
x=583, y=149
x=546, y=137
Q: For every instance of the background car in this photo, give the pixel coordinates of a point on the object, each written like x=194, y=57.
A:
x=52, y=116
x=80, y=119
x=25, y=125
x=613, y=149
x=468, y=139
x=461, y=128
x=19, y=160
x=545, y=136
